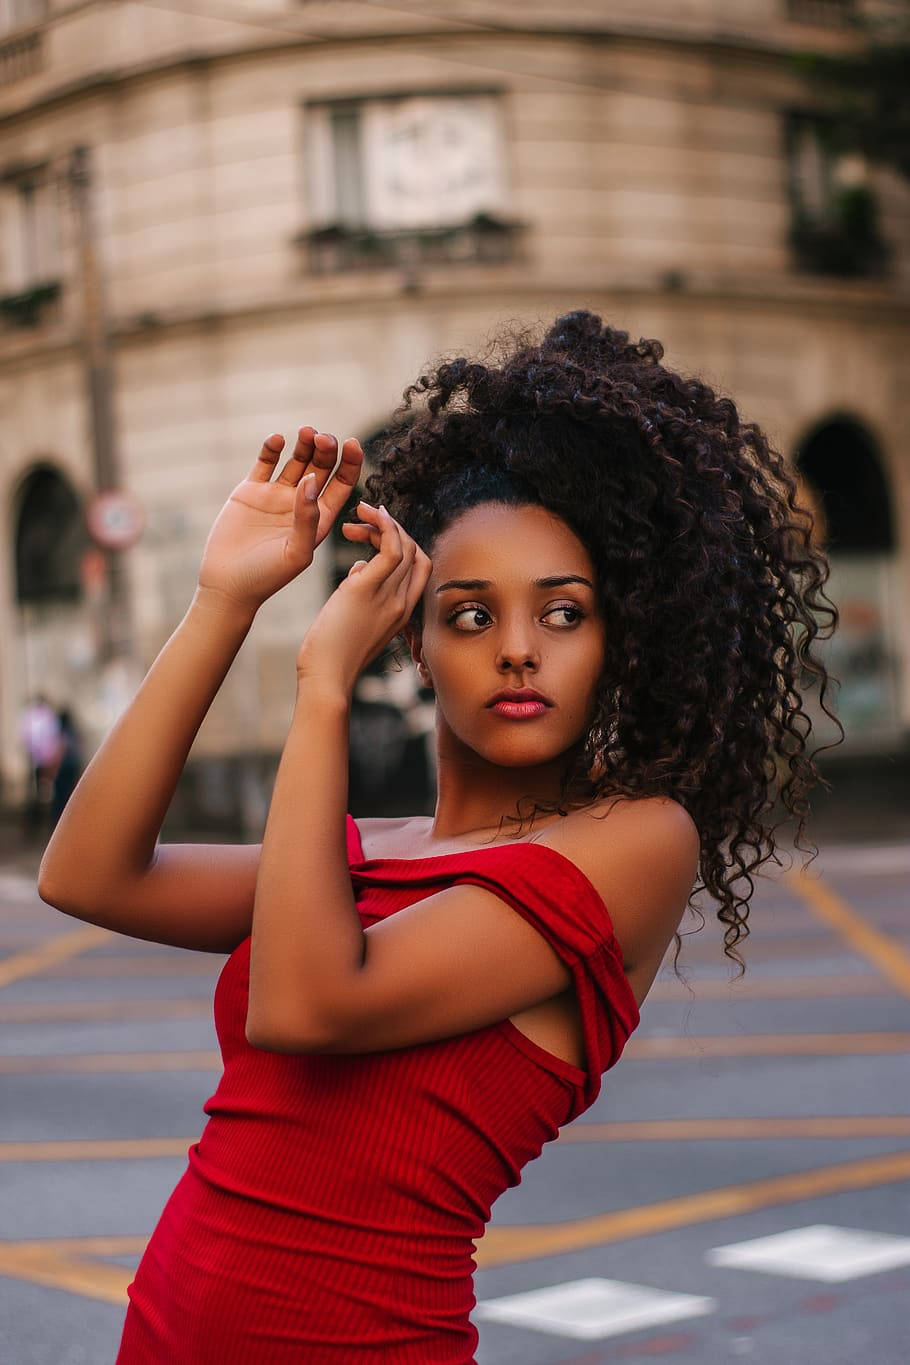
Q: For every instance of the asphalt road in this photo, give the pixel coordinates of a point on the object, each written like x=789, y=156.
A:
x=739, y=1113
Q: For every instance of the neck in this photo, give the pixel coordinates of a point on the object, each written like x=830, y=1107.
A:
x=473, y=795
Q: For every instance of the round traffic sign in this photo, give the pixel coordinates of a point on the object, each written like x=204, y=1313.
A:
x=115, y=519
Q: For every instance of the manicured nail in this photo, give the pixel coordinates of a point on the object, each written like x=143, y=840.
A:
x=309, y=487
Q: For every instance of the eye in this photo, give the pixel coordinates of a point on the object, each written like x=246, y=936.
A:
x=567, y=607
x=466, y=611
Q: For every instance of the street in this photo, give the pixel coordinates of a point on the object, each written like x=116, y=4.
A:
x=777, y=1107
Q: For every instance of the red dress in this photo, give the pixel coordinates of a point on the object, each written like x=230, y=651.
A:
x=330, y=1210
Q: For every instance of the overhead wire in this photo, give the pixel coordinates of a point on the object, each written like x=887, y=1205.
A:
x=416, y=44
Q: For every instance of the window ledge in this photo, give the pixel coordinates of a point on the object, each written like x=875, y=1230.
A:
x=29, y=307
x=483, y=239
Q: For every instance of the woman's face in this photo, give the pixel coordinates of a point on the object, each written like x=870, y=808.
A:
x=511, y=603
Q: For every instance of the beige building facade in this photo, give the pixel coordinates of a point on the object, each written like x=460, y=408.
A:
x=219, y=224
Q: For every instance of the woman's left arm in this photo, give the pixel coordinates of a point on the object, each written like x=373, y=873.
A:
x=306, y=929
x=306, y=935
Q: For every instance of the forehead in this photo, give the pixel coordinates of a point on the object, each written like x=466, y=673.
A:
x=497, y=541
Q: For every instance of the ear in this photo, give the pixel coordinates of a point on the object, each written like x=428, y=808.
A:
x=414, y=643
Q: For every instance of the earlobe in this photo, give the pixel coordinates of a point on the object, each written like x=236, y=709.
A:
x=413, y=641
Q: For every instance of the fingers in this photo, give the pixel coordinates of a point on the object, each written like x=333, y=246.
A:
x=301, y=456
x=267, y=459
x=345, y=479
x=314, y=453
x=382, y=531
x=403, y=568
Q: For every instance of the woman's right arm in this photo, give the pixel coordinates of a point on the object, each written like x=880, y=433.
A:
x=102, y=864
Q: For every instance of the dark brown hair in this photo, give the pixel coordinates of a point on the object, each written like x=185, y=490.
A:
x=709, y=581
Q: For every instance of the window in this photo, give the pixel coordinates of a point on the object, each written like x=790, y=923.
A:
x=834, y=213
x=30, y=244
x=417, y=168
x=30, y=263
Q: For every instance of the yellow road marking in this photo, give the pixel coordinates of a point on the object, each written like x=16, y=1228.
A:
x=49, y=1011
x=645, y=1130
x=506, y=1245
x=708, y=1130
x=95, y=1149
x=694, y=1048
x=65, y=1263
x=51, y=954
x=883, y=951
x=770, y=1045
x=38, y=1011
x=111, y=1062
x=62, y=1264
x=769, y=987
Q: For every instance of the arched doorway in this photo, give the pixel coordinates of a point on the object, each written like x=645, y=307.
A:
x=52, y=647
x=842, y=470
x=49, y=539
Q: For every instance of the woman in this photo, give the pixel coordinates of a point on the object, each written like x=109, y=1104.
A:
x=598, y=569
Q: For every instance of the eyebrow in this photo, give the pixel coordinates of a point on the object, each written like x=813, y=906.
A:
x=478, y=584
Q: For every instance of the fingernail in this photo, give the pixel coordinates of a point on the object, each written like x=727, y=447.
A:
x=309, y=487
x=364, y=502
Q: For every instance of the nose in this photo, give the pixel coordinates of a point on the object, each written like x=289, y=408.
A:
x=517, y=648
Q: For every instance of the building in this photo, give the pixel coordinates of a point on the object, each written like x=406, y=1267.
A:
x=224, y=220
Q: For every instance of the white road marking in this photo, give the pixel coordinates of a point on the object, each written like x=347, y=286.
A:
x=592, y=1309
x=819, y=1252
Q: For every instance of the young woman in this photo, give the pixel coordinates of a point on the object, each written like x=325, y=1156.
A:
x=605, y=577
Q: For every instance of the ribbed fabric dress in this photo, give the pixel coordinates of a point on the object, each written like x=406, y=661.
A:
x=330, y=1211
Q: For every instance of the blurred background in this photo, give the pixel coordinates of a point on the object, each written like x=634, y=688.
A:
x=221, y=218
x=224, y=218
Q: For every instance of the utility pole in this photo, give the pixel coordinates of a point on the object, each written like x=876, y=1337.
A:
x=115, y=624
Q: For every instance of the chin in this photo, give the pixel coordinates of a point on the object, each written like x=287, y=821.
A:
x=521, y=754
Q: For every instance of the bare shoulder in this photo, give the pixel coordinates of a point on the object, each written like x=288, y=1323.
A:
x=642, y=856
x=384, y=835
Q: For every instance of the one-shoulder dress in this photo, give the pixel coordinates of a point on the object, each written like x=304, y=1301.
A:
x=331, y=1209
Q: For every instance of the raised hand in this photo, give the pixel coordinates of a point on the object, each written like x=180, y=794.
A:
x=267, y=531
x=369, y=607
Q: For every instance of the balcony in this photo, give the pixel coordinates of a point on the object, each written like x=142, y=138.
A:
x=20, y=56
x=30, y=307
x=484, y=239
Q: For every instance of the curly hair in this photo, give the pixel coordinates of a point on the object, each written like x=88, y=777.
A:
x=706, y=572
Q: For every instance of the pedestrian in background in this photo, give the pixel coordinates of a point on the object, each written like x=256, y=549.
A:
x=69, y=762
x=40, y=733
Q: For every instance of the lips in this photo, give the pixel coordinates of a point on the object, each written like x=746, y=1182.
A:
x=519, y=694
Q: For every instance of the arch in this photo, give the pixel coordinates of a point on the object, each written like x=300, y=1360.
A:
x=49, y=536
x=840, y=460
x=840, y=465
